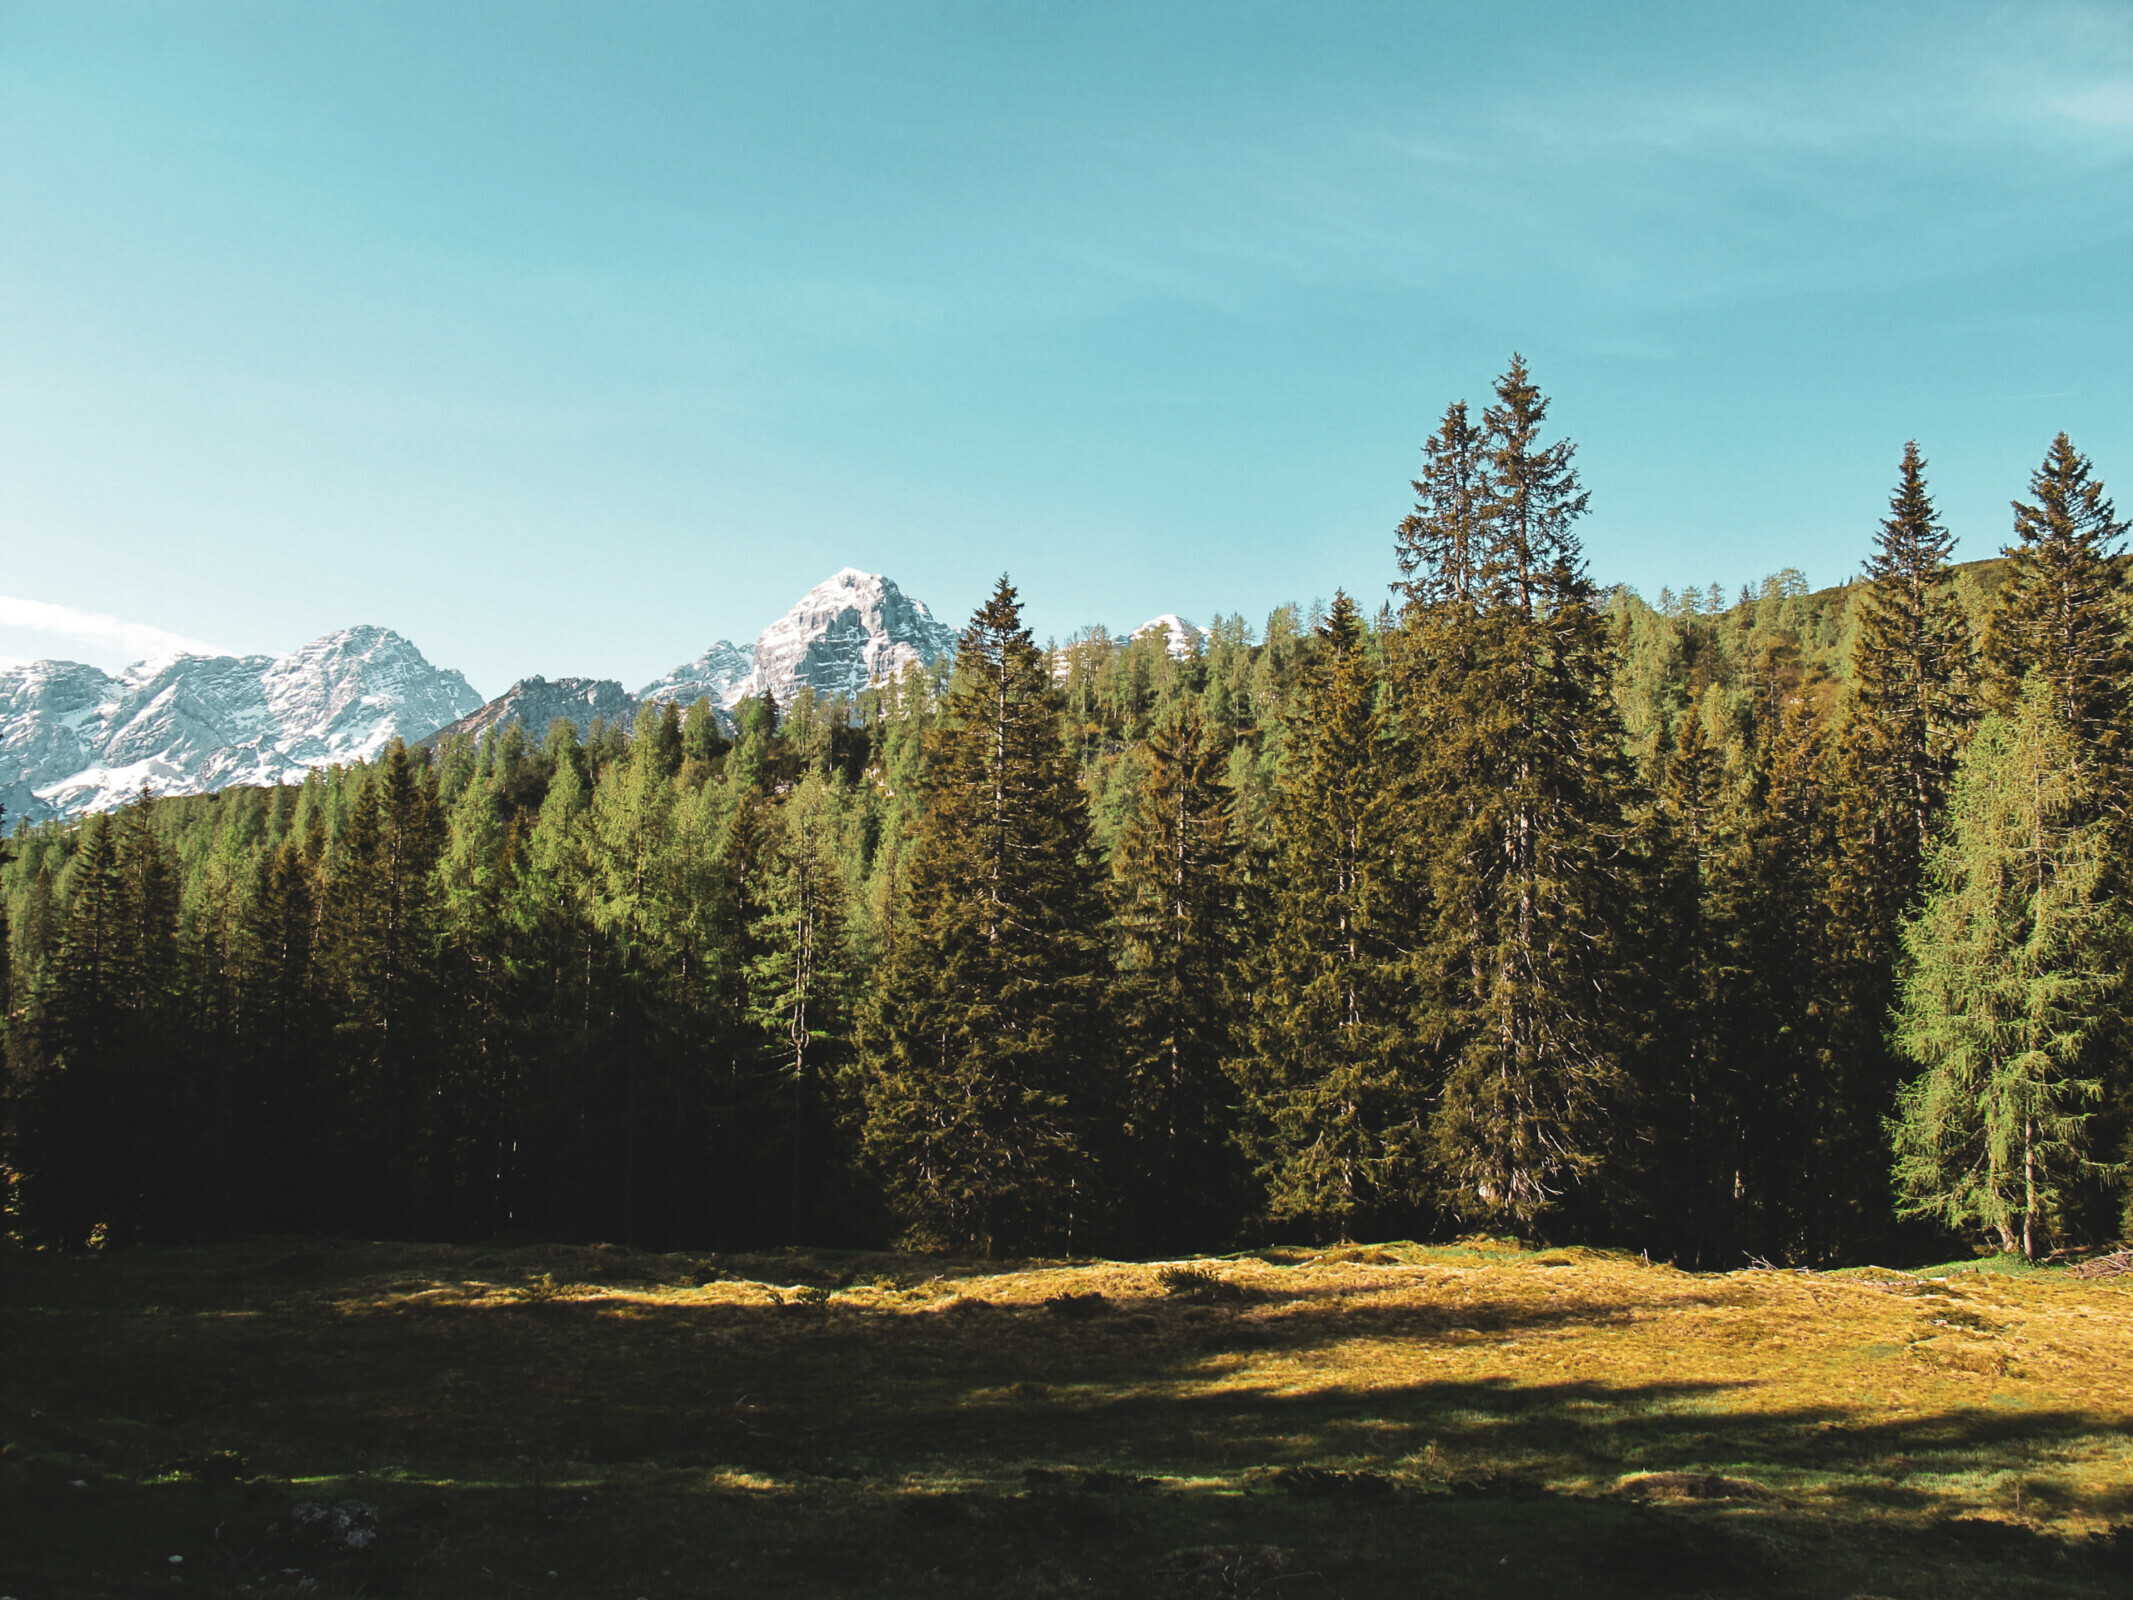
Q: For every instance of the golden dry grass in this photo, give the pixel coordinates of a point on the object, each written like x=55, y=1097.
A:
x=1391, y=1420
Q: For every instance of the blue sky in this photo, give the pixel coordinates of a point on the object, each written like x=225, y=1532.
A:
x=568, y=338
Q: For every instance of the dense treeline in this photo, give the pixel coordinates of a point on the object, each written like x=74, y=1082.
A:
x=1790, y=927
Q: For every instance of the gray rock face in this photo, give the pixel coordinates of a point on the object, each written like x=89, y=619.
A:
x=74, y=739
x=711, y=676
x=848, y=631
x=536, y=703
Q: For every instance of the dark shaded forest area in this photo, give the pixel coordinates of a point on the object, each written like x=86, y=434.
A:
x=1783, y=925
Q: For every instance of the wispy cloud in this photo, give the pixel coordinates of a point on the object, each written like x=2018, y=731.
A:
x=137, y=640
x=2105, y=105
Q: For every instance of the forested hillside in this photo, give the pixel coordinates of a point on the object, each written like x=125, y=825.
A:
x=1783, y=925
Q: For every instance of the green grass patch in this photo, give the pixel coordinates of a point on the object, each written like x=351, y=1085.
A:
x=1466, y=1420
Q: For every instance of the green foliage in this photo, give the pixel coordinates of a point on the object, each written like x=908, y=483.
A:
x=1906, y=716
x=987, y=1088
x=2017, y=961
x=2060, y=613
x=1334, y=1109
x=1522, y=790
x=1179, y=926
x=1534, y=907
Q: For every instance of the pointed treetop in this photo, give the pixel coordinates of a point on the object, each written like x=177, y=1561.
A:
x=1912, y=539
x=2071, y=507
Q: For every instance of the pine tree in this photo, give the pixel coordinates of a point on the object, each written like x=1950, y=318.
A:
x=378, y=945
x=1335, y=1109
x=799, y=974
x=1786, y=1124
x=283, y=1120
x=1909, y=709
x=2015, y=966
x=99, y=1142
x=749, y=1060
x=663, y=733
x=1912, y=678
x=1442, y=544
x=72, y=1094
x=1521, y=806
x=2060, y=611
x=1692, y=1103
x=626, y=837
x=1174, y=882
x=156, y=1135
x=702, y=741
x=985, y=1083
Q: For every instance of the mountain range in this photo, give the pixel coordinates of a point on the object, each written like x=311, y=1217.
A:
x=852, y=629
x=76, y=739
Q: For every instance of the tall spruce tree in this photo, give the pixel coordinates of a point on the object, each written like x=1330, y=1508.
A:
x=1521, y=815
x=1913, y=680
x=1442, y=544
x=628, y=825
x=378, y=944
x=71, y=1095
x=1335, y=1105
x=1693, y=1109
x=1771, y=899
x=2016, y=962
x=282, y=1107
x=1909, y=709
x=1174, y=879
x=986, y=1085
x=100, y=1136
x=797, y=988
x=2061, y=611
x=156, y=1136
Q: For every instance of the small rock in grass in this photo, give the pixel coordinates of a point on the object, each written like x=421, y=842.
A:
x=344, y=1525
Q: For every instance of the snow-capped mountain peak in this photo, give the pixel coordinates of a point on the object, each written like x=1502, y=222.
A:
x=852, y=629
x=711, y=676
x=74, y=739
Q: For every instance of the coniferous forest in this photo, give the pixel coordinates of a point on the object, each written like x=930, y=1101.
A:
x=1778, y=926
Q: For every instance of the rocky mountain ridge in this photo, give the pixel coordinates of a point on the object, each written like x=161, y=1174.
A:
x=850, y=630
x=75, y=739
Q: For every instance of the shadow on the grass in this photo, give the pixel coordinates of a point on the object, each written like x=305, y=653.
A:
x=681, y=1447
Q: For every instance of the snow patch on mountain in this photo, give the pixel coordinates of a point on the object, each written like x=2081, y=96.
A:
x=711, y=676
x=1184, y=638
x=76, y=739
x=535, y=704
x=852, y=629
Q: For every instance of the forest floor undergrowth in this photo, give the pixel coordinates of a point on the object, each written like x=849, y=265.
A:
x=1468, y=1420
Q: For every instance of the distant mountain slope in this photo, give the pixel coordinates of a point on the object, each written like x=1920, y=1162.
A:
x=535, y=703
x=849, y=630
x=711, y=676
x=76, y=739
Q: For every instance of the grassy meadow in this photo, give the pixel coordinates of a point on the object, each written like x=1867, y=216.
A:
x=1391, y=1420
